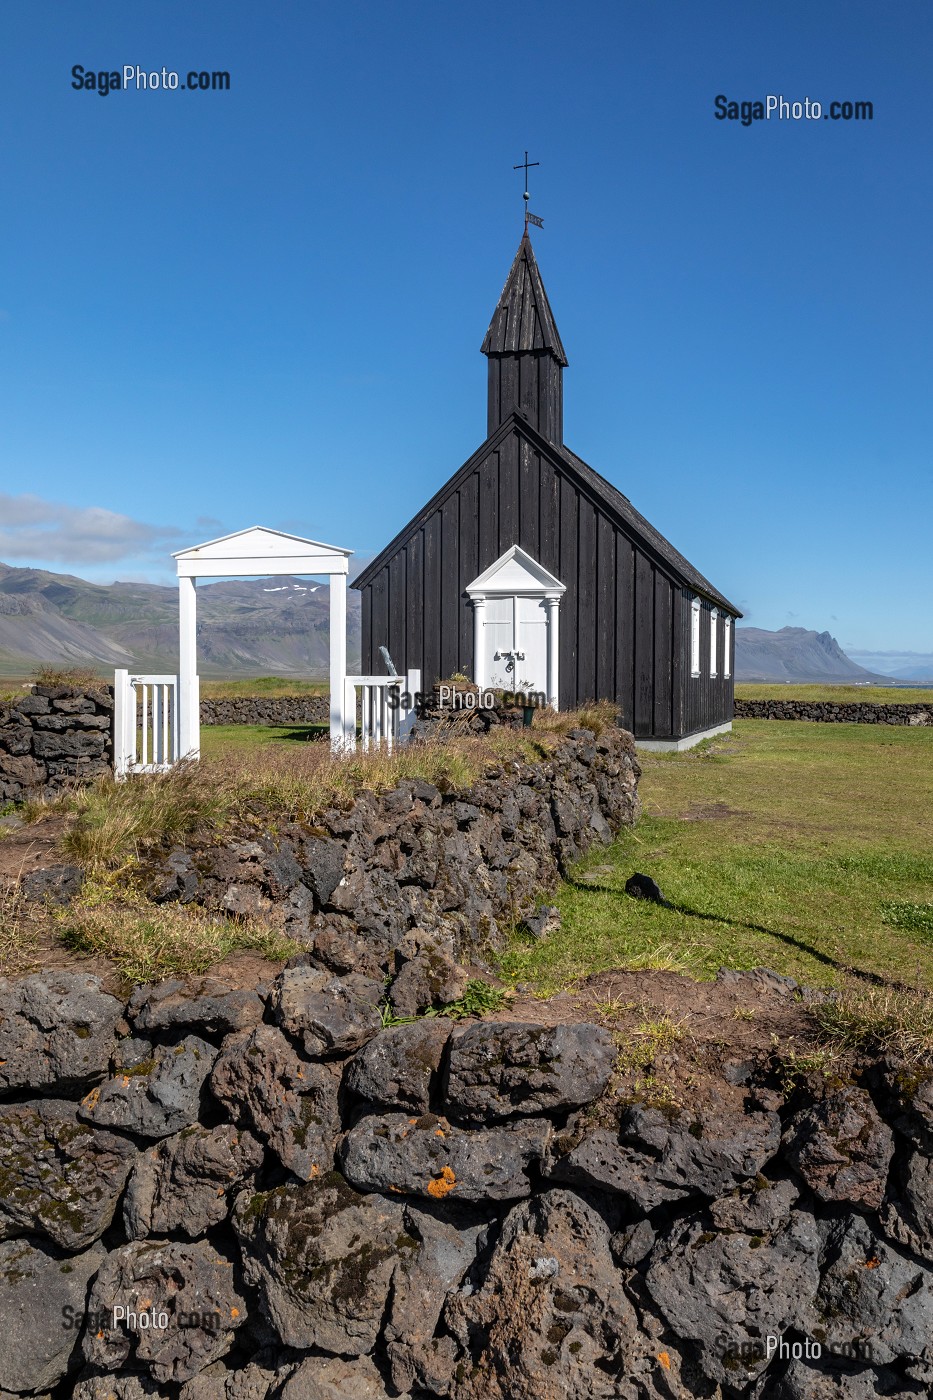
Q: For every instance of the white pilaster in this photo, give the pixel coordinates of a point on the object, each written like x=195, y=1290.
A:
x=338, y=655
x=189, y=702
x=553, y=652
x=479, y=650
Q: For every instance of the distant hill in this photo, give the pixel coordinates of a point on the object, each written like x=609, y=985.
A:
x=796, y=654
x=246, y=627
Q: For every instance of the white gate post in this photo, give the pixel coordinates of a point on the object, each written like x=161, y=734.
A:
x=189, y=700
x=338, y=657
x=121, y=698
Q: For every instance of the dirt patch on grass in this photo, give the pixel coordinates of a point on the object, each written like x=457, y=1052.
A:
x=32, y=846
x=711, y=812
x=676, y=1036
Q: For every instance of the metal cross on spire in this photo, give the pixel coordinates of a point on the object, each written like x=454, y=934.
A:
x=527, y=165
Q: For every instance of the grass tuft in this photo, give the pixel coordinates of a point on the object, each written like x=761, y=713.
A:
x=886, y=1019
x=84, y=677
x=148, y=942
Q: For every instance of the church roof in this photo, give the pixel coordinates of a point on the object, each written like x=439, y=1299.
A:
x=523, y=319
x=600, y=491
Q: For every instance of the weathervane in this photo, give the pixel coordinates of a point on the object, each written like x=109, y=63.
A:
x=526, y=165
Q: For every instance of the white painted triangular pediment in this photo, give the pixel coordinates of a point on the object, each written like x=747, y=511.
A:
x=260, y=550
x=516, y=572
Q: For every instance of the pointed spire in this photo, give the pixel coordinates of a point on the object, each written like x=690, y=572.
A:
x=523, y=319
x=524, y=352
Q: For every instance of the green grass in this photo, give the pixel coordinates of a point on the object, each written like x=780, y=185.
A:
x=267, y=687
x=784, y=845
x=849, y=694
x=217, y=738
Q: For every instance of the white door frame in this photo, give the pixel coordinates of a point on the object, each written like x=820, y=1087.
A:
x=255, y=553
x=516, y=574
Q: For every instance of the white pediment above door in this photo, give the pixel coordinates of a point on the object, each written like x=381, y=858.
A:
x=516, y=572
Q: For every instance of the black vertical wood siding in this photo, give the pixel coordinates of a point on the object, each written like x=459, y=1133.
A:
x=624, y=619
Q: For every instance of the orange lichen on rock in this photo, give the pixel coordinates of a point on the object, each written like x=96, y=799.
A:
x=665, y=1360
x=442, y=1184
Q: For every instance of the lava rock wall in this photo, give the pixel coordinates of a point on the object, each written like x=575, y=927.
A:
x=835, y=712
x=53, y=737
x=417, y=875
x=218, y=1193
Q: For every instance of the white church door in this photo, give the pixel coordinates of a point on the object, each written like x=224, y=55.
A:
x=515, y=644
x=515, y=636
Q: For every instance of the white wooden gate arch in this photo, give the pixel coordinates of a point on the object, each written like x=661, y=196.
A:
x=256, y=553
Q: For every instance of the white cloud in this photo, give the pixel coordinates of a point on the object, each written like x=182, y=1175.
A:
x=33, y=530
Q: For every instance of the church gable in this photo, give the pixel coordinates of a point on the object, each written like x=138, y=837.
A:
x=627, y=601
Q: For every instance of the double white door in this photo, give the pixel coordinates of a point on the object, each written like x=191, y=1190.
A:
x=515, y=642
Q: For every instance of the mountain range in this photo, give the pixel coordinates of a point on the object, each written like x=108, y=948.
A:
x=278, y=626
x=271, y=626
x=796, y=654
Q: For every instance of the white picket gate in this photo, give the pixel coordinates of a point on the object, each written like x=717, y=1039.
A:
x=386, y=718
x=145, y=723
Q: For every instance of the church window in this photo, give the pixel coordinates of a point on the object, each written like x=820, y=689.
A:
x=713, y=639
x=695, y=637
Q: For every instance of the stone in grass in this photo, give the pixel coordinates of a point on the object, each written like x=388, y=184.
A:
x=57, y=884
x=326, y=1014
x=500, y=1069
x=157, y=1096
x=40, y=1290
x=58, y=1177
x=841, y=1148
x=204, y=1002
x=324, y=1258
x=291, y=1102
x=543, y=922
x=643, y=887
x=552, y=1317
x=188, y=1292
x=184, y=1182
x=57, y=1031
x=397, y=1068
x=430, y=1157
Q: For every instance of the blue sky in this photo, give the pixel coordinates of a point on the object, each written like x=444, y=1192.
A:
x=266, y=305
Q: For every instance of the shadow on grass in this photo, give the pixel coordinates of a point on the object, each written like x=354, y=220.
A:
x=874, y=978
x=304, y=733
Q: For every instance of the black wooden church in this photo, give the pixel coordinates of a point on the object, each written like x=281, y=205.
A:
x=528, y=570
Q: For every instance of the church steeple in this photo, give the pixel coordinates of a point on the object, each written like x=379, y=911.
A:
x=524, y=350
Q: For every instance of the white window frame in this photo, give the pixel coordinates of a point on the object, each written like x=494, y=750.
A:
x=695, y=638
x=713, y=640
x=727, y=647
